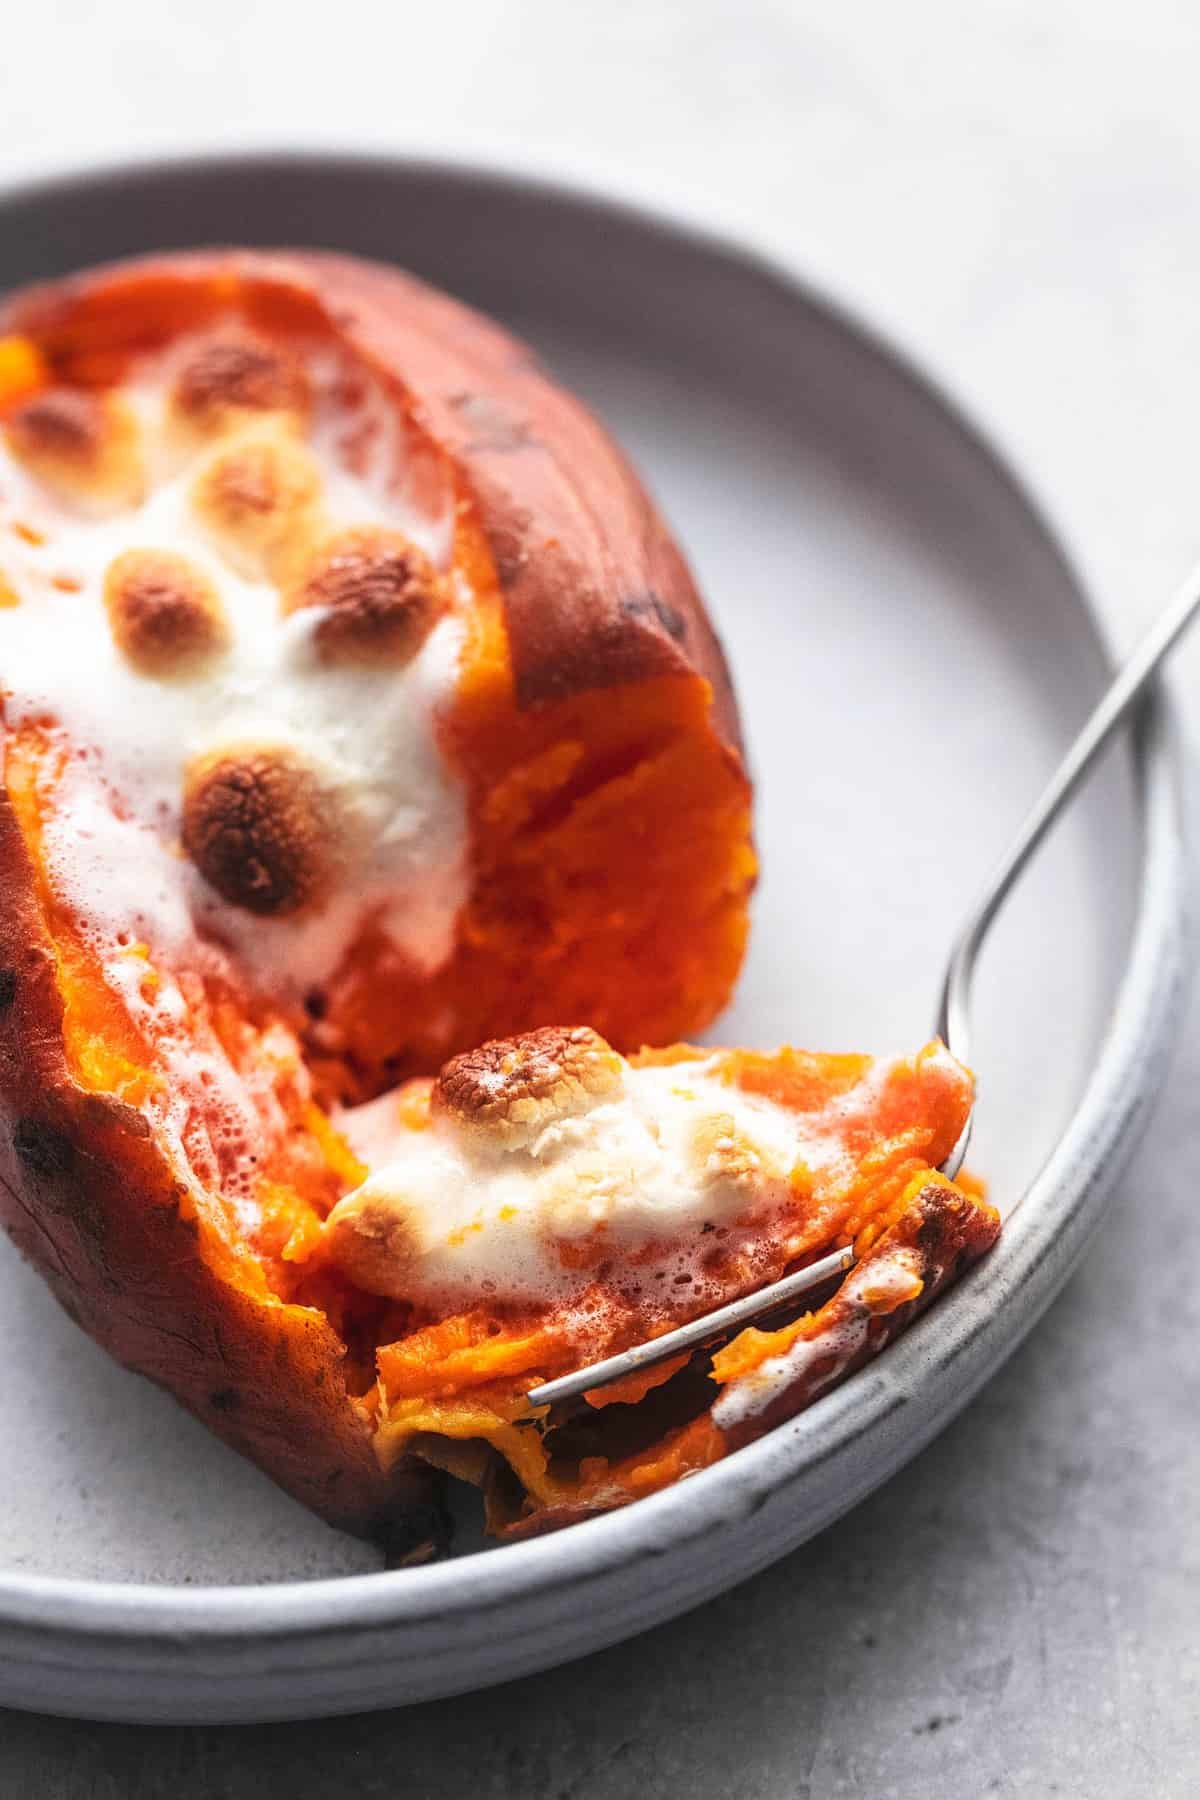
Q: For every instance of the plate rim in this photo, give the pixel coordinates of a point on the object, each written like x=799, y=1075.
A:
x=39, y=1611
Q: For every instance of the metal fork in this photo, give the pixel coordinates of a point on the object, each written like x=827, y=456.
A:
x=953, y=1015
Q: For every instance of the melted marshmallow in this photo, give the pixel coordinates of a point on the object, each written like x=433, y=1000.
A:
x=113, y=845
x=675, y=1153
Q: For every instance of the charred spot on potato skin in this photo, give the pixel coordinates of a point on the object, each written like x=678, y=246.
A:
x=652, y=606
x=238, y=372
x=43, y=1149
x=376, y=594
x=508, y=554
x=8, y=988
x=259, y=828
x=225, y=1400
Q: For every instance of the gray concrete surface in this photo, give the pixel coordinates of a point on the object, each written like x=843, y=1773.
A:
x=1014, y=189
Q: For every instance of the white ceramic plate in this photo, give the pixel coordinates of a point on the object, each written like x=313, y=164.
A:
x=912, y=652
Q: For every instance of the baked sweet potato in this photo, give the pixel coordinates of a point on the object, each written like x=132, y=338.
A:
x=358, y=710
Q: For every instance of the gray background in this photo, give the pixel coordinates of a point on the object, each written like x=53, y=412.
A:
x=1014, y=190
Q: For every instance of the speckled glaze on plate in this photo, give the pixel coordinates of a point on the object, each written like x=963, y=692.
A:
x=912, y=651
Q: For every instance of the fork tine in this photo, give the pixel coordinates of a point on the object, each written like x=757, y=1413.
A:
x=695, y=1332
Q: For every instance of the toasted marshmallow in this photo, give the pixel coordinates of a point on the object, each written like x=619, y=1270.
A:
x=84, y=446
x=507, y=1092
x=376, y=595
x=376, y=1240
x=725, y=1153
x=262, y=827
x=258, y=498
x=165, y=613
x=234, y=375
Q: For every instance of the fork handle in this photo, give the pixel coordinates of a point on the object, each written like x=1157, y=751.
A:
x=1111, y=711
